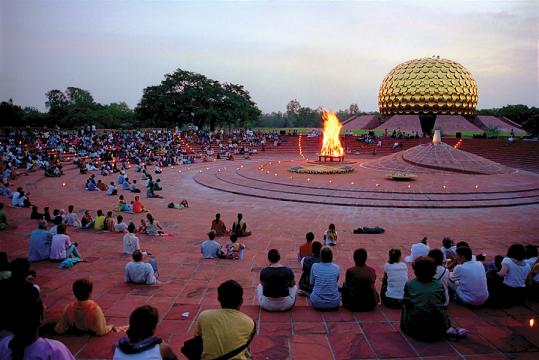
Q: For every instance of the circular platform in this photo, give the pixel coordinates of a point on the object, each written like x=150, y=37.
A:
x=367, y=185
x=321, y=168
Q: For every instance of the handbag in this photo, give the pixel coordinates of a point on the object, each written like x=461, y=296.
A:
x=192, y=348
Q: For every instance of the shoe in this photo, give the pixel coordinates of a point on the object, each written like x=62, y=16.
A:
x=457, y=332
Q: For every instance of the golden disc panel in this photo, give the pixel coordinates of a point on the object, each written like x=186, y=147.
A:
x=428, y=86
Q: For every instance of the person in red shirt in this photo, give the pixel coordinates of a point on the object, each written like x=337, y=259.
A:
x=305, y=248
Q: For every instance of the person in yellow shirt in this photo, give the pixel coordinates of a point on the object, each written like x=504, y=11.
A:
x=83, y=314
x=227, y=329
x=99, y=222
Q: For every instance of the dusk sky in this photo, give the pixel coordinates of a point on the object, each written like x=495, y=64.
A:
x=322, y=53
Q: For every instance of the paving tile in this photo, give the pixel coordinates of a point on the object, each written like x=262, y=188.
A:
x=100, y=347
x=309, y=328
x=310, y=347
x=270, y=347
x=275, y=329
x=350, y=345
x=305, y=314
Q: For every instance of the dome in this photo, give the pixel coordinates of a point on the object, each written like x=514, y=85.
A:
x=428, y=86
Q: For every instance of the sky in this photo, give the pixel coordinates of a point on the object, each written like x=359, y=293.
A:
x=322, y=53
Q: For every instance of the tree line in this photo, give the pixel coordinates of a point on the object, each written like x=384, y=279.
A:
x=184, y=98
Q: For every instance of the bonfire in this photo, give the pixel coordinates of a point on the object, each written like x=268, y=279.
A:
x=331, y=146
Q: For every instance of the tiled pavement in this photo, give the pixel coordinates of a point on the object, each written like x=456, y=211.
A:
x=190, y=283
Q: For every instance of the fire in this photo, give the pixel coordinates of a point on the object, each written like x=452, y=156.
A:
x=332, y=129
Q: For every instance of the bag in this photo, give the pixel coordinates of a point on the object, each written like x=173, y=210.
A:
x=192, y=348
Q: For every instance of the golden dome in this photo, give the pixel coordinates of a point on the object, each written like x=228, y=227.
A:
x=428, y=86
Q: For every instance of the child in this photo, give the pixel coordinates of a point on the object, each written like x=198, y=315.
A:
x=120, y=226
x=142, y=227
x=234, y=250
x=99, y=222
x=109, y=222
x=330, y=236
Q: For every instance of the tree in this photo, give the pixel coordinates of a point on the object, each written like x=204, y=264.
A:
x=185, y=97
x=57, y=104
x=10, y=114
x=353, y=109
x=292, y=108
x=79, y=97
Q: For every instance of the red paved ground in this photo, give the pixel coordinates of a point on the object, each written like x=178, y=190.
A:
x=190, y=282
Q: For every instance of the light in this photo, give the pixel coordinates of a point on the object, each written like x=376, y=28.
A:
x=275, y=174
x=351, y=183
x=532, y=322
x=445, y=187
x=63, y=184
x=377, y=185
x=330, y=181
x=477, y=186
x=308, y=179
x=179, y=171
x=267, y=172
x=409, y=186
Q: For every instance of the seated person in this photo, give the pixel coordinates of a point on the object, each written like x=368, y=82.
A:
x=131, y=241
x=531, y=254
x=532, y=282
x=36, y=215
x=468, y=279
x=424, y=314
x=109, y=222
x=24, y=342
x=234, y=249
x=514, y=272
x=305, y=287
x=226, y=329
x=395, y=277
x=324, y=279
x=99, y=223
x=91, y=186
x=120, y=226
x=358, y=292
x=277, y=288
x=449, y=249
x=39, y=247
x=330, y=236
x=183, y=204
x=417, y=250
x=153, y=227
x=442, y=273
x=133, y=187
x=121, y=177
x=72, y=218
x=83, y=314
x=305, y=249
x=218, y=226
x=62, y=247
x=139, y=272
x=3, y=218
x=111, y=189
x=126, y=185
x=101, y=185
x=140, y=341
x=137, y=206
x=5, y=269
x=87, y=222
x=211, y=249
x=239, y=227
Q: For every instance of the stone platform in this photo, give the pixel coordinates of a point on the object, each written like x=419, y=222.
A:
x=190, y=283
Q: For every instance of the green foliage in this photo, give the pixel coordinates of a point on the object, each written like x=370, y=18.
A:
x=10, y=114
x=185, y=97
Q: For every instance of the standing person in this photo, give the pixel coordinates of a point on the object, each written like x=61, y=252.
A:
x=40, y=243
x=305, y=287
x=330, y=236
x=305, y=249
x=358, y=292
x=395, y=277
x=468, y=279
x=277, y=289
x=226, y=330
x=424, y=314
x=140, y=342
x=324, y=278
x=83, y=314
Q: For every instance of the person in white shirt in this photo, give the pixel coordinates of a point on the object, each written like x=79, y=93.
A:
x=139, y=272
x=417, y=250
x=531, y=254
x=72, y=218
x=514, y=272
x=130, y=240
x=120, y=226
x=395, y=277
x=468, y=280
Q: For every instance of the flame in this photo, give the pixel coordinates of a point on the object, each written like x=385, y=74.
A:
x=532, y=322
x=332, y=129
